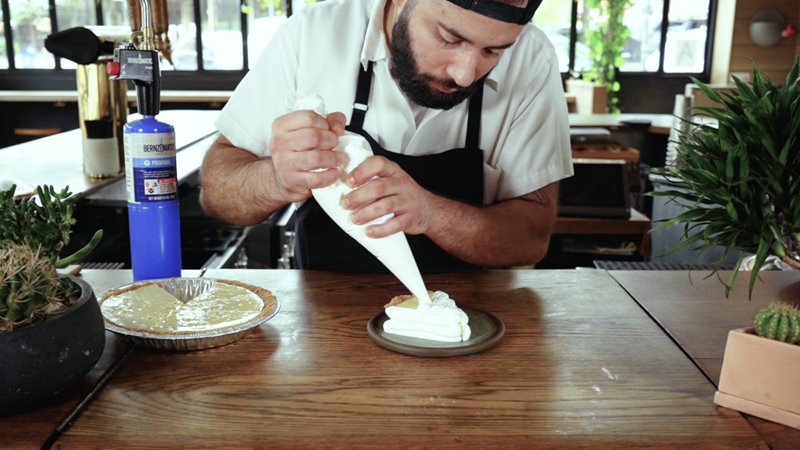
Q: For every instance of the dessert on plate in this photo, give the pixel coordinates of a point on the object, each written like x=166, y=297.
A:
x=441, y=320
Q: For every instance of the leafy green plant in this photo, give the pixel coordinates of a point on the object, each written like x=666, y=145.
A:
x=33, y=231
x=42, y=222
x=743, y=175
x=605, y=35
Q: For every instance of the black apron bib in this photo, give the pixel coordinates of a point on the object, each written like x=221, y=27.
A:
x=457, y=174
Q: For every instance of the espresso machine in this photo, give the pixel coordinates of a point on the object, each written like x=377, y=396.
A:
x=102, y=102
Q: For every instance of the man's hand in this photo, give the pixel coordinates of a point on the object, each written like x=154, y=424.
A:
x=242, y=188
x=512, y=232
x=382, y=187
x=302, y=142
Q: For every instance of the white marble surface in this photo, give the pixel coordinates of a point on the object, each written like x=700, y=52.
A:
x=58, y=159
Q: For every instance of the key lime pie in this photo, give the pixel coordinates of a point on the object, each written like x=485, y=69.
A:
x=180, y=306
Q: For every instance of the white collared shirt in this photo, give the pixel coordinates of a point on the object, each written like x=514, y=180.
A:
x=524, y=124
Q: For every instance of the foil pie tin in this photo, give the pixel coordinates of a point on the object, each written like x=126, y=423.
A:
x=185, y=289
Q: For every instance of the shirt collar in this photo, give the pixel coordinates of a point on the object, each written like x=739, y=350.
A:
x=376, y=49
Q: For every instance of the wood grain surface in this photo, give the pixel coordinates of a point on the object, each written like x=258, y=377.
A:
x=693, y=309
x=581, y=366
x=32, y=427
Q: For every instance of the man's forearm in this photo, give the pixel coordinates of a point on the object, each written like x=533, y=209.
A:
x=237, y=186
x=512, y=232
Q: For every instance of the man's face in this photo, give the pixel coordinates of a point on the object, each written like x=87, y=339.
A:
x=437, y=57
x=416, y=85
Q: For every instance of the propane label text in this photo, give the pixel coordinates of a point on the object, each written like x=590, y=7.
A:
x=151, y=174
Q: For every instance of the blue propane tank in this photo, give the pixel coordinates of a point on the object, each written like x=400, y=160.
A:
x=153, y=208
x=150, y=172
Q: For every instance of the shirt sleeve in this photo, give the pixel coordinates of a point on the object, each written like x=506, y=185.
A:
x=260, y=98
x=537, y=149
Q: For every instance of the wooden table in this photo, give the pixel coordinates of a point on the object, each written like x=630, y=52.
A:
x=581, y=365
x=34, y=427
x=693, y=310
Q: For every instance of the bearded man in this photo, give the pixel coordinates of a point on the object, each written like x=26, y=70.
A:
x=462, y=103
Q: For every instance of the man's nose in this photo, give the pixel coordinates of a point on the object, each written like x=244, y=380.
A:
x=463, y=68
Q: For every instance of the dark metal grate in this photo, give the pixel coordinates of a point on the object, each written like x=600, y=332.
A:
x=103, y=265
x=639, y=265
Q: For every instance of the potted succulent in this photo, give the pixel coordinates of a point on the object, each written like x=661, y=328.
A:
x=749, y=381
x=742, y=176
x=51, y=329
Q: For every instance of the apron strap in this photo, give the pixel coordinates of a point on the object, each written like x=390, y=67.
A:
x=474, y=118
x=361, y=103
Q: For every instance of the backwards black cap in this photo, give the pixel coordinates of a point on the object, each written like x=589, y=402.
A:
x=500, y=10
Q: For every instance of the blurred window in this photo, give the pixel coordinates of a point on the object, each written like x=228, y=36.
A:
x=30, y=25
x=115, y=12
x=684, y=49
x=182, y=35
x=3, y=54
x=75, y=13
x=687, y=33
x=643, y=50
x=217, y=42
x=221, y=35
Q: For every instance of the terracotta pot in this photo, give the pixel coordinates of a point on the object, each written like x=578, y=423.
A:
x=759, y=377
x=40, y=360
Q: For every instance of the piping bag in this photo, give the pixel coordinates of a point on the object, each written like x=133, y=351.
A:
x=393, y=250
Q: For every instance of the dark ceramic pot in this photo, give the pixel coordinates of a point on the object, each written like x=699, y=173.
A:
x=39, y=361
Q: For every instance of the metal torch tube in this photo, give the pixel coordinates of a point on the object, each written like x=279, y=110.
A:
x=147, y=26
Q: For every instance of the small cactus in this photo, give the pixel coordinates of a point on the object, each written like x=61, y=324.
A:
x=33, y=232
x=779, y=321
x=42, y=222
x=30, y=287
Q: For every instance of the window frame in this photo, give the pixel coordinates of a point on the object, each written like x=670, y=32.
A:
x=708, y=51
x=59, y=78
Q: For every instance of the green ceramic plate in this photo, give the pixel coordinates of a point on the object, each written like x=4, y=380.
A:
x=487, y=331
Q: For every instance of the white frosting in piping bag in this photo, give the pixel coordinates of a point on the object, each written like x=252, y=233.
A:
x=393, y=251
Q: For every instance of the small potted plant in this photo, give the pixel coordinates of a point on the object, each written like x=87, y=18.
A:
x=742, y=175
x=760, y=366
x=51, y=329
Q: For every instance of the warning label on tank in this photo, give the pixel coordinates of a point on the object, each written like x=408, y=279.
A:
x=150, y=168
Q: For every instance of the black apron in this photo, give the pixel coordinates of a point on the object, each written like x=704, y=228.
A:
x=457, y=174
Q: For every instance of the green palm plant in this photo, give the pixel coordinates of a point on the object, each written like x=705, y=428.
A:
x=743, y=175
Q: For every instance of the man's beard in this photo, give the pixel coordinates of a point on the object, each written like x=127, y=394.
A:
x=415, y=85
